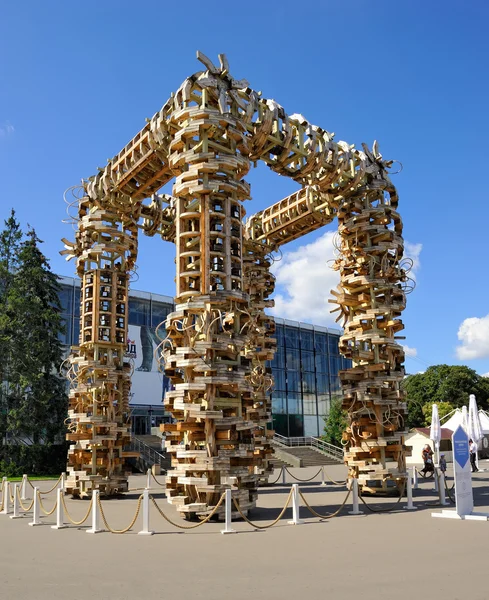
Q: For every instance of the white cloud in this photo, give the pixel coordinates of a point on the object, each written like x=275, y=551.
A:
x=474, y=335
x=485, y=375
x=410, y=351
x=6, y=129
x=305, y=278
x=413, y=251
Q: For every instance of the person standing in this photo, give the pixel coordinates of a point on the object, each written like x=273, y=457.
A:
x=473, y=454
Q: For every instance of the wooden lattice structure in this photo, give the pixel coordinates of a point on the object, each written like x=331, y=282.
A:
x=219, y=337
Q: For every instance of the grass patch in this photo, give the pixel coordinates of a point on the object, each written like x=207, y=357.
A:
x=35, y=478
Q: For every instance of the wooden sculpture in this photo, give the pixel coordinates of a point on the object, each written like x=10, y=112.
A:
x=219, y=337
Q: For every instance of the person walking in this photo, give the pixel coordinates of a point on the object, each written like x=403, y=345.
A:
x=473, y=454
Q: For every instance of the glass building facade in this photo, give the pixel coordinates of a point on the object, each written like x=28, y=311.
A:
x=305, y=366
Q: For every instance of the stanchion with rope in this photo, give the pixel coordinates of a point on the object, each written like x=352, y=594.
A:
x=59, y=511
x=146, y=530
x=160, y=484
x=221, y=499
x=24, y=508
x=6, y=499
x=355, y=511
x=302, y=480
x=131, y=524
x=41, y=505
x=254, y=525
x=228, y=517
x=295, y=506
x=47, y=491
x=95, y=528
x=329, y=515
x=36, y=517
x=68, y=516
x=16, y=514
x=391, y=508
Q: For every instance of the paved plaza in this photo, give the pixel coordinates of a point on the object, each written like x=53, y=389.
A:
x=400, y=554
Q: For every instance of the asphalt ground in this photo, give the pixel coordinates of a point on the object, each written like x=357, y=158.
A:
x=396, y=554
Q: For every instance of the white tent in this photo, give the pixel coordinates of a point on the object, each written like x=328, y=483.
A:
x=456, y=419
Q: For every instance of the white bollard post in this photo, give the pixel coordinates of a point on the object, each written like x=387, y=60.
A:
x=441, y=488
x=409, y=491
x=62, y=482
x=95, y=528
x=415, y=478
x=145, y=530
x=295, y=505
x=148, y=479
x=6, y=497
x=227, y=512
x=355, y=508
x=59, y=510
x=435, y=478
x=16, y=514
x=284, y=475
x=36, y=516
x=323, y=481
x=23, y=489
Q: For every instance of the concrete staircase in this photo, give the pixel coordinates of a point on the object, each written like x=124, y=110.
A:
x=151, y=440
x=308, y=456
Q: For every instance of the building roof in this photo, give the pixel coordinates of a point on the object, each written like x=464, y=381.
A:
x=446, y=434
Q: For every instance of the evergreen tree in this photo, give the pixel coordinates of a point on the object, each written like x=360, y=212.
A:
x=336, y=423
x=37, y=398
x=10, y=239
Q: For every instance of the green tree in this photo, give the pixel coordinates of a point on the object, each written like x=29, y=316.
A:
x=10, y=239
x=335, y=423
x=443, y=384
x=37, y=397
x=444, y=409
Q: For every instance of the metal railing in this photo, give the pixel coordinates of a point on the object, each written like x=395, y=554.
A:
x=313, y=442
x=148, y=454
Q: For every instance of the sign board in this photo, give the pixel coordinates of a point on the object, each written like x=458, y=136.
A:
x=464, y=499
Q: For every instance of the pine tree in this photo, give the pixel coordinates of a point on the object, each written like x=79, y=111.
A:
x=336, y=423
x=38, y=402
x=10, y=239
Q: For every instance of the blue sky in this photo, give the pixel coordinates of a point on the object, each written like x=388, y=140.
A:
x=77, y=81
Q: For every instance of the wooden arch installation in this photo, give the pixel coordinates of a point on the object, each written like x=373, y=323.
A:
x=219, y=337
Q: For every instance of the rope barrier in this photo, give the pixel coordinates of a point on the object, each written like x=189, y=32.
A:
x=68, y=514
x=221, y=499
x=126, y=529
x=41, y=505
x=448, y=490
x=11, y=496
x=328, y=516
x=24, y=508
x=279, y=476
x=383, y=510
x=160, y=484
x=236, y=504
x=303, y=480
x=48, y=491
x=335, y=482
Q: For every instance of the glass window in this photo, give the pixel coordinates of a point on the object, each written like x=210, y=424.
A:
x=321, y=342
x=159, y=312
x=324, y=404
x=279, y=405
x=76, y=332
x=322, y=383
x=322, y=365
x=309, y=404
x=66, y=299
x=333, y=344
x=296, y=425
x=138, y=311
x=311, y=426
x=307, y=340
x=334, y=364
x=280, y=424
x=293, y=360
x=293, y=382
x=294, y=404
x=291, y=337
x=279, y=359
x=335, y=384
x=307, y=361
x=279, y=334
x=77, y=302
x=279, y=376
x=308, y=383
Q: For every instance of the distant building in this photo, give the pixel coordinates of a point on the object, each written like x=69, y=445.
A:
x=305, y=366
